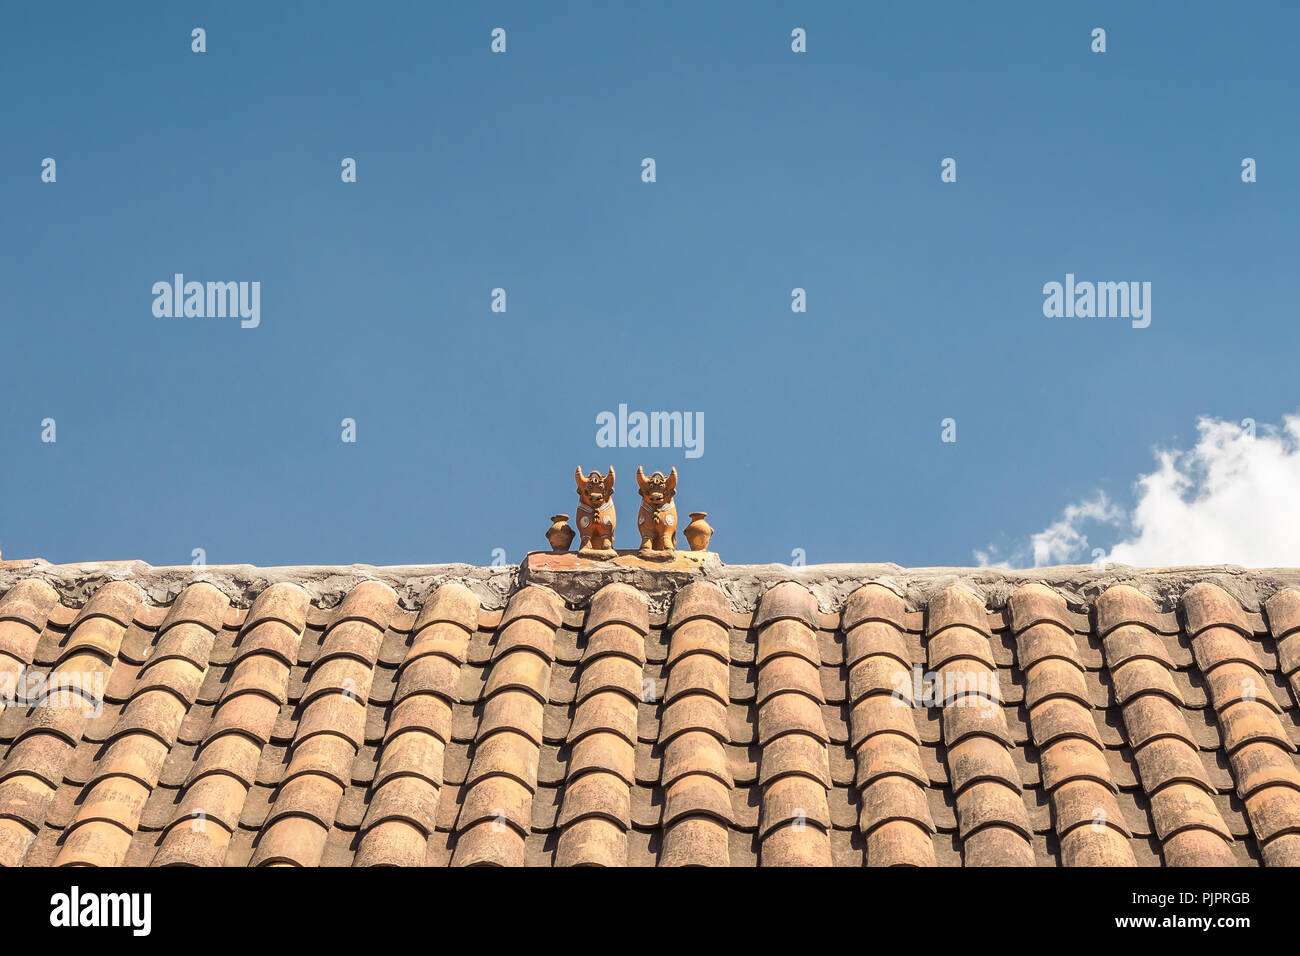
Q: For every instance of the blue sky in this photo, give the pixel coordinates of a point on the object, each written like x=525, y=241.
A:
x=522, y=171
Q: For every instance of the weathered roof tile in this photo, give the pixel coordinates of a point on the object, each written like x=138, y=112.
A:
x=635, y=726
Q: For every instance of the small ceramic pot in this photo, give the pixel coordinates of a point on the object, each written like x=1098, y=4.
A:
x=699, y=531
x=560, y=535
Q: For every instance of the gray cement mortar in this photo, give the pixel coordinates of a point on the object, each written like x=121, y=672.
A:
x=743, y=584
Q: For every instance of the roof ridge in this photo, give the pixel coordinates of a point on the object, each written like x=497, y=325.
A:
x=744, y=585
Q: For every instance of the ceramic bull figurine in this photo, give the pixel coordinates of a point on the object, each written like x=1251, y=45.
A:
x=596, y=516
x=657, y=520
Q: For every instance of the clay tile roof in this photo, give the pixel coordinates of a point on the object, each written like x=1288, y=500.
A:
x=579, y=712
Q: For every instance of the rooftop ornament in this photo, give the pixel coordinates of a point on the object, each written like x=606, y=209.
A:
x=596, y=515
x=656, y=521
x=560, y=536
x=699, y=531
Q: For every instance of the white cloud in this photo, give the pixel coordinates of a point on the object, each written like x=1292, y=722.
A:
x=1232, y=499
x=1063, y=540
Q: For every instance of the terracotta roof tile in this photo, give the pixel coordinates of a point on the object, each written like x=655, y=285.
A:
x=648, y=723
x=1259, y=751
x=595, y=812
x=1125, y=604
x=1174, y=779
x=696, y=770
x=1076, y=773
x=794, y=772
x=955, y=606
x=1207, y=605
x=495, y=807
